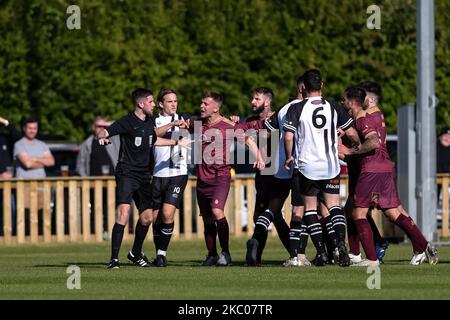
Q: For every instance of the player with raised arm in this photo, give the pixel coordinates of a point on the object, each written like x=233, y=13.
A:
x=133, y=176
x=376, y=187
x=314, y=122
x=214, y=177
x=373, y=96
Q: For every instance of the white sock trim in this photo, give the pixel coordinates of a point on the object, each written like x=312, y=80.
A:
x=161, y=253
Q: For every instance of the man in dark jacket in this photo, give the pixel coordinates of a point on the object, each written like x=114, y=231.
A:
x=6, y=148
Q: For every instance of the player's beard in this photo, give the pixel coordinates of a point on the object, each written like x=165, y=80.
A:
x=258, y=110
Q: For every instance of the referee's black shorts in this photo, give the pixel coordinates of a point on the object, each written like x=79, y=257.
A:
x=134, y=185
x=168, y=190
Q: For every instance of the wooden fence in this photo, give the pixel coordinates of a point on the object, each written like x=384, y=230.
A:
x=75, y=209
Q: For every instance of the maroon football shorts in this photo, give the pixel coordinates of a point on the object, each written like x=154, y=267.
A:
x=212, y=194
x=376, y=190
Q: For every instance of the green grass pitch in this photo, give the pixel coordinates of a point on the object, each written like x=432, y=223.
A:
x=39, y=272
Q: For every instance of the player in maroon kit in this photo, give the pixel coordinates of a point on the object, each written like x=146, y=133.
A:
x=373, y=96
x=214, y=177
x=376, y=185
x=264, y=182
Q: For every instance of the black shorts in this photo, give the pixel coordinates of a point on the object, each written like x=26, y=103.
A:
x=297, y=198
x=264, y=188
x=134, y=186
x=168, y=190
x=303, y=186
x=280, y=189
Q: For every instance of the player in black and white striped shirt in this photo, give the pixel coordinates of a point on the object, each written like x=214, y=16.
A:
x=169, y=175
x=314, y=122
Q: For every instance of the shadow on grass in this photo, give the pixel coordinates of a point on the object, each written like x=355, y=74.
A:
x=406, y=262
x=239, y=263
x=198, y=263
x=101, y=265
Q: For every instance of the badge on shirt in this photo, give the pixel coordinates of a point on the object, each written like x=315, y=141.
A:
x=150, y=140
x=137, y=141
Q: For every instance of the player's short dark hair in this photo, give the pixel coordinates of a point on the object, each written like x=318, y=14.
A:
x=28, y=120
x=140, y=93
x=164, y=92
x=299, y=81
x=312, y=80
x=356, y=93
x=265, y=91
x=372, y=87
x=217, y=97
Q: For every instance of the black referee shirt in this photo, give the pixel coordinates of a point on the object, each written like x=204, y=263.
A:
x=7, y=146
x=136, y=141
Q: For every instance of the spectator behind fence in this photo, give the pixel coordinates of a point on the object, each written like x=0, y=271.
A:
x=443, y=151
x=7, y=141
x=93, y=158
x=33, y=155
x=6, y=147
x=96, y=160
x=443, y=155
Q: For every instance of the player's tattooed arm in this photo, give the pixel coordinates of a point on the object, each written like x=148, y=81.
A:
x=352, y=134
x=372, y=142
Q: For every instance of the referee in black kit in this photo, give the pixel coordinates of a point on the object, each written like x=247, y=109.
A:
x=133, y=176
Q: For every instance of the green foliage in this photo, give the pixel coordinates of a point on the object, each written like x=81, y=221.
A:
x=68, y=77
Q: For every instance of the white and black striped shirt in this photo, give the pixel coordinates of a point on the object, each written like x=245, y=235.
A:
x=276, y=122
x=314, y=122
x=170, y=161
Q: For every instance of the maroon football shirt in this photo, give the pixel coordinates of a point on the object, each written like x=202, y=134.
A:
x=377, y=160
x=253, y=122
x=251, y=126
x=217, y=140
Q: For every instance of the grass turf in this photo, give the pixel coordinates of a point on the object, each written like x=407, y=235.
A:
x=39, y=272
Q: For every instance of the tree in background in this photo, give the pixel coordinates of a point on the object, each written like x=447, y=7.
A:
x=67, y=77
